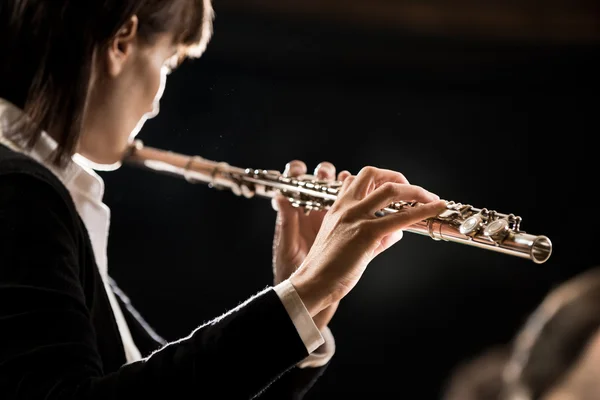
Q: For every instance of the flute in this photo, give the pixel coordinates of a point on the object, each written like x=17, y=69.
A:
x=459, y=223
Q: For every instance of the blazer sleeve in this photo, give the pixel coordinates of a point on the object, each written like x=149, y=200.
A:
x=47, y=342
x=294, y=384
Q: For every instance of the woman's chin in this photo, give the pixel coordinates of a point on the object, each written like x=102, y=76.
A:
x=98, y=163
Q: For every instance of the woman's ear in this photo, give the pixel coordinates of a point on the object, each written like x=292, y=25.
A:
x=121, y=46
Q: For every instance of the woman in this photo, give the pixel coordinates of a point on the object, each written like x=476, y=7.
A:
x=79, y=80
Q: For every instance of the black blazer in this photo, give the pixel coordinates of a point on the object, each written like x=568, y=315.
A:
x=59, y=338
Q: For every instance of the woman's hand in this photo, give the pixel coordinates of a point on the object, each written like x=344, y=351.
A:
x=351, y=235
x=295, y=231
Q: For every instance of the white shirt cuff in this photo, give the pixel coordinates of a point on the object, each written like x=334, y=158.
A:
x=308, y=331
x=322, y=355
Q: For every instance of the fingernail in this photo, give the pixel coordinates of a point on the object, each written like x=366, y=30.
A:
x=295, y=168
x=435, y=196
x=324, y=170
x=286, y=171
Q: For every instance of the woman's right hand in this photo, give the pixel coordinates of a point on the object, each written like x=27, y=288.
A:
x=351, y=235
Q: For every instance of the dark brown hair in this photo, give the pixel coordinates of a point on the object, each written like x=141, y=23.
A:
x=555, y=336
x=479, y=378
x=47, y=49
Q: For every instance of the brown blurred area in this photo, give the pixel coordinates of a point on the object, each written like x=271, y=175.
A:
x=437, y=35
x=555, y=21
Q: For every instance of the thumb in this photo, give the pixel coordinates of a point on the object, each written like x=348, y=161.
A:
x=387, y=242
x=286, y=226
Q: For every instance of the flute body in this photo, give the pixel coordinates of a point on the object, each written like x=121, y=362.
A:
x=459, y=223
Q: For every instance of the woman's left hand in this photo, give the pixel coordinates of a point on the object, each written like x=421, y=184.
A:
x=295, y=231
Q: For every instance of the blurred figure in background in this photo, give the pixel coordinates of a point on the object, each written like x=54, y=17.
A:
x=555, y=356
x=479, y=378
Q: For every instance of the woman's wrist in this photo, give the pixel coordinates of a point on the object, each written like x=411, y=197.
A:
x=313, y=295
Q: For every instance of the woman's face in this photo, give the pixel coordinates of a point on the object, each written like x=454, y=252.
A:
x=127, y=83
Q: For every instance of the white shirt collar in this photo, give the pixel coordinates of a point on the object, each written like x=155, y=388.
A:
x=87, y=189
x=77, y=174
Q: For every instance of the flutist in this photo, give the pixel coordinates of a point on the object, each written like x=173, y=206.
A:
x=78, y=81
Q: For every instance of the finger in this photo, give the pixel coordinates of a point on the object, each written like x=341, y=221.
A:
x=294, y=168
x=275, y=203
x=369, y=178
x=391, y=192
x=343, y=175
x=287, y=220
x=388, y=241
x=402, y=219
x=325, y=171
x=345, y=185
x=283, y=206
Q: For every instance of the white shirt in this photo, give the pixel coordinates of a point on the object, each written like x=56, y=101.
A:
x=87, y=190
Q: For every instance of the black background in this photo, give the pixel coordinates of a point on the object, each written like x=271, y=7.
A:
x=504, y=124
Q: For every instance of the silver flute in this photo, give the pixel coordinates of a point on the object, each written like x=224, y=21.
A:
x=459, y=223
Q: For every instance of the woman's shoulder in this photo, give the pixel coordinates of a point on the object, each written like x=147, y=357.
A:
x=25, y=180
x=14, y=162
